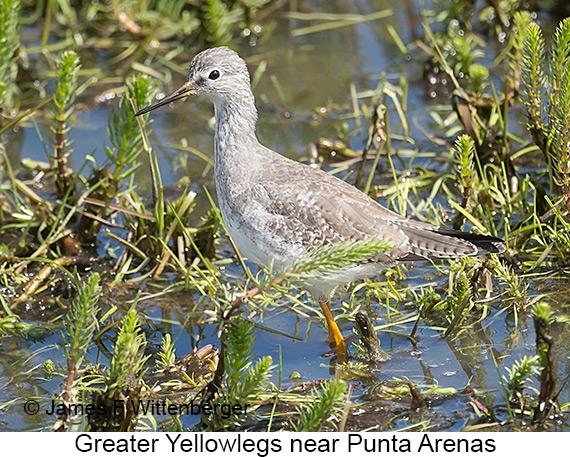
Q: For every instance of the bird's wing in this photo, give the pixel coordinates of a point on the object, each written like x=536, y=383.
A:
x=314, y=208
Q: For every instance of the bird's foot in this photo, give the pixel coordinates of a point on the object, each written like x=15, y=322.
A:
x=341, y=352
x=337, y=343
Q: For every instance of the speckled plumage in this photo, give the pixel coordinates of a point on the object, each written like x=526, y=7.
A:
x=276, y=208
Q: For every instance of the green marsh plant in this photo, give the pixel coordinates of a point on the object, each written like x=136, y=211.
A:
x=127, y=145
x=10, y=43
x=543, y=319
x=79, y=327
x=217, y=21
x=123, y=381
x=167, y=355
x=465, y=171
x=123, y=128
x=546, y=80
x=221, y=19
x=127, y=364
x=244, y=382
x=519, y=378
x=67, y=72
x=517, y=384
x=323, y=409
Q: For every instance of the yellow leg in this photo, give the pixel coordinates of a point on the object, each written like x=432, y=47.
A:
x=335, y=337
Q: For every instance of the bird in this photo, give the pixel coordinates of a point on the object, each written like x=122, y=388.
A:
x=276, y=209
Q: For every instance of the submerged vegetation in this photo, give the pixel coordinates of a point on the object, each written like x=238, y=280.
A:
x=78, y=234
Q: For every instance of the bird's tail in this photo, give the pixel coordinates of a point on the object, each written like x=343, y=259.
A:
x=430, y=242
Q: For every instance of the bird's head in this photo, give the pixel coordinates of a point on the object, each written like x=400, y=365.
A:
x=217, y=73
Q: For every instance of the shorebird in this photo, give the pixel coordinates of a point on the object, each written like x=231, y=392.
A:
x=276, y=209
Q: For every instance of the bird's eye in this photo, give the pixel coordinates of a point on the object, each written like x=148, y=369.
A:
x=215, y=74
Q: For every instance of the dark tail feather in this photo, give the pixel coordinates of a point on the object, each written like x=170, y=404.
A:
x=485, y=244
x=442, y=243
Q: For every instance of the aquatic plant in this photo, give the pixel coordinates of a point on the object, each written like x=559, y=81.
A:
x=547, y=98
x=10, y=39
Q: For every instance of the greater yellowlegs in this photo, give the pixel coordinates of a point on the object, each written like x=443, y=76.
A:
x=275, y=209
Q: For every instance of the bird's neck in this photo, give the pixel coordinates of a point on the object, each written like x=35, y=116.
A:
x=236, y=141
